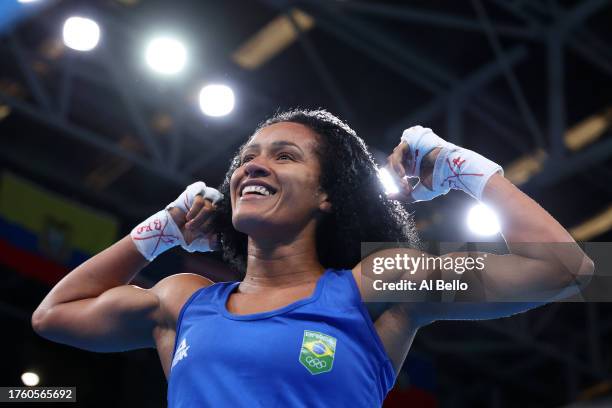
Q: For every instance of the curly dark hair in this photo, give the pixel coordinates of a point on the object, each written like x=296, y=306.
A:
x=361, y=210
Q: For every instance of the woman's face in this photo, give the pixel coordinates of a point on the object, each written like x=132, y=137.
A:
x=276, y=188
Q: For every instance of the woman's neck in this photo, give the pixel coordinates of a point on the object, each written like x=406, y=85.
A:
x=281, y=265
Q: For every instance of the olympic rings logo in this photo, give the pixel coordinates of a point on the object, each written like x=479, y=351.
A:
x=315, y=362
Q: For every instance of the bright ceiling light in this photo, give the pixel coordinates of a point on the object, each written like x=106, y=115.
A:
x=482, y=220
x=387, y=181
x=216, y=100
x=81, y=34
x=30, y=379
x=27, y=1
x=166, y=55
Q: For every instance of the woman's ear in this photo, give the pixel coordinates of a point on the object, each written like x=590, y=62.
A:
x=326, y=207
x=324, y=204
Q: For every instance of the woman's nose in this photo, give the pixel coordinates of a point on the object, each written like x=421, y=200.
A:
x=255, y=168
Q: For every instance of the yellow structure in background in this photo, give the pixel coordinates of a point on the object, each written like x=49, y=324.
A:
x=587, y=131
x=521, y=170
x=5, y=111
x=575, y=138
x=276, y=36
x=39, y=211
x=594, y=226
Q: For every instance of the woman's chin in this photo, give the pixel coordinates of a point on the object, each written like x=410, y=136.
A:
x=251, y=224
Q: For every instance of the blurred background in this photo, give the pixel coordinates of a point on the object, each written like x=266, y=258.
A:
x=109, y=108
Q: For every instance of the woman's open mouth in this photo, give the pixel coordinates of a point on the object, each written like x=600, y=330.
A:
x=256, y=192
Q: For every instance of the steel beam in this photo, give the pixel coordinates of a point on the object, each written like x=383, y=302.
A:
x=515, y=8
x=556, y=93
x=454, y=122
x=142, y=128
x=581, y=12
x=214, y=151
x=345, y=29
x=65, y=92
x=95, y=140
x=431, y=18
x=465, y=87
x=321, y=70
x=430, y=70
x=36, y=87
x=583, y=43
x=511, y=79
x=377, y=54
x=499, y=130
x=176, y=138
x=588, y=53
x=400, y=51
x=556, y=170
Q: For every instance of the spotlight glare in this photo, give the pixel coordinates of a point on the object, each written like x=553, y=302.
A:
x=81, y=34
x=387, y=181
x=216, y=100
x=482, y=220
x=27, y=1
x=166, y=55
x=30, y=379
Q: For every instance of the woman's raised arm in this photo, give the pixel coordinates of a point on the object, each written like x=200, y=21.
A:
x=544, y=261
x=95, y=308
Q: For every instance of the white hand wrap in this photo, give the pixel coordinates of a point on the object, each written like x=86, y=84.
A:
x=184, y=203
x=156, y=234
x=455, y=167
x=185, y=200
x=159, y=232
x=463, y=169
x=421, y=141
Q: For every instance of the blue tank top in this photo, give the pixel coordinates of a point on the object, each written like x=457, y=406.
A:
x=321, y=351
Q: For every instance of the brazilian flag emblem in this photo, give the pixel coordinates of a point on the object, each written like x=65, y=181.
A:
x=318, y=351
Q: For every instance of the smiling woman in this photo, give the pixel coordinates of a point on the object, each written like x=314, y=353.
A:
x=297, y=201
x=355, y=209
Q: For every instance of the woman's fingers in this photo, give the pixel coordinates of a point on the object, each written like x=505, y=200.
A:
x=408, y=160
x=190, y=235
x=199, y=212
x=403, y=185
x=396, y=159
x=396, y=166
x=197, y=205
x=404, y=192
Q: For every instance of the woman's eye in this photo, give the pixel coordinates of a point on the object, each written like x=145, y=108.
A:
x=246, y=159
x=284, y=156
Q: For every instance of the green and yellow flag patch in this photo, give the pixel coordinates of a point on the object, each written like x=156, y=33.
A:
x=318, y=351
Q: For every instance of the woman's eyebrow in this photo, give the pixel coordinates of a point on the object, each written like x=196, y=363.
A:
x=275, y=145
x=282, y=143
x=253, y=146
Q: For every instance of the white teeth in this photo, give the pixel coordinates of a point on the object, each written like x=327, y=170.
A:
x=256, y=189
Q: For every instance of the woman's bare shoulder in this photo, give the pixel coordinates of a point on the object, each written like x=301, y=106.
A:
x=363, y=270
x=174, y=290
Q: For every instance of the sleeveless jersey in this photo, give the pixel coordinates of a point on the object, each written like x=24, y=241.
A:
x=321, y=351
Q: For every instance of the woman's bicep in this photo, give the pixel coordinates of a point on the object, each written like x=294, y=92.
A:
x=122, y=318
x=506, y=285
x=443, y=288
